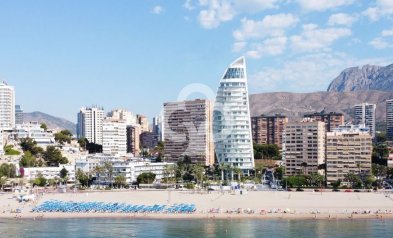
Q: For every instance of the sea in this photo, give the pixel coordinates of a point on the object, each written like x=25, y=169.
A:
x=84, y=228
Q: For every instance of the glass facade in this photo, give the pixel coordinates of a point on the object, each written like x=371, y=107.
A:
x=231, y=119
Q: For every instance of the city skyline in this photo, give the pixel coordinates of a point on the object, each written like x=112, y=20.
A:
x=55, y=52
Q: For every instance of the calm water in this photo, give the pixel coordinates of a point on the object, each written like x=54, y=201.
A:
x=194, y=228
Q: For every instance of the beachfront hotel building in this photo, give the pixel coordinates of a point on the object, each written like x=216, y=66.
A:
x=332, y=120
x=89, y=125
x=268, y=129
x=7, y=106
x=365, y=114
x=114, y=137
x=304, y=147
x=231, y=119
x=143, y=121
x=389, y=119
x=188, y=131
x=348, y=150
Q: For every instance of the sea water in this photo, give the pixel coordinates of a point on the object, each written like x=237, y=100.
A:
x=85, y=228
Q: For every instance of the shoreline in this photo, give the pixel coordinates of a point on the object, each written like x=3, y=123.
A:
x=215, y=206
x=195, y=216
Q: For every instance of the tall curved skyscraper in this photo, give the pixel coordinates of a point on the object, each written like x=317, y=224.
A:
x=231, y=119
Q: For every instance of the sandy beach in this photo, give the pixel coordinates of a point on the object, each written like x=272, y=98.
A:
x=266, y=205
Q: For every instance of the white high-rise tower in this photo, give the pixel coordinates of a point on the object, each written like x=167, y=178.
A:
x=90, y=122
x=7, y=106
x=231, y=119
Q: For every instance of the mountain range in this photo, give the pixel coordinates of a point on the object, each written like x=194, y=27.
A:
x=367, y=77
x=51, y=121
x=369, y=83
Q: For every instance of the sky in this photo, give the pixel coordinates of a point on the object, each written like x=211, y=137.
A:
x=65, y=54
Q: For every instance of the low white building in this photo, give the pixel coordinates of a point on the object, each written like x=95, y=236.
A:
x=34, y=131
x=49, y=172
x=130, y=167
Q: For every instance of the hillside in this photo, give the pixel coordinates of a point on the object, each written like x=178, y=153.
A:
x=294, y=105
x=368, y=77
x=51, y=121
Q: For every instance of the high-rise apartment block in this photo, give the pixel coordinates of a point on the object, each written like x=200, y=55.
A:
x=332, y=120
x=19, y=115
x=365, y=114
x=231, y=119
x=304, y=147
x=268, y=129
x=389, y=119
x=157, y=127
x=133, y=139
x=188, y=131
x=90, y=121
x=347, y=151
x=7, y=106
x=114, y=137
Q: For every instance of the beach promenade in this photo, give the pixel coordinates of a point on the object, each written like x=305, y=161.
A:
x=216, y=205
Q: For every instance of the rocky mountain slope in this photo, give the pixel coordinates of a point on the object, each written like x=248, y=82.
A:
x=368, y=77
x=51, y=121
x=294, y=105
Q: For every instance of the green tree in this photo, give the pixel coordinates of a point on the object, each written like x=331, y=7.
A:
x=83, y=178
x=146, y=178
x=63, y=137
x=336, y=184
x=169, y=172
x=380, y=151
x=9, y=150
x=120, y=181
x=266, y=151
x=198, y=172
x=63, y=173
x=28, y=160
x=53, y=157
x=3, y=181
x=108, y=168
x=44, y=126
x=83, y=142
x=353, y=179
x=40, y=180
x=29, y=144
x=8, y=170
x=279, y=173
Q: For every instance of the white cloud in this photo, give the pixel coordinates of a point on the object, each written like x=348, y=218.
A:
x=341, y=19
x=384, y=41
x=157, y=9
x=239, y=46
x=322, y=5
x=313, y=38
x=214, y=12
x=271, y=46
x=380, y=43
x=387, y=32
x=188, y=4
x=253, y=6
x=270, y=25
x=380, y=9
x=218, y=11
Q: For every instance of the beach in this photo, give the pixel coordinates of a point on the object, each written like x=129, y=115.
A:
x=217, y=205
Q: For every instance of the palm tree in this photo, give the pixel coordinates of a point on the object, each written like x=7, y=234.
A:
x=109, y=171
x=237, y=171
x=98, y=170
x=304, y=165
